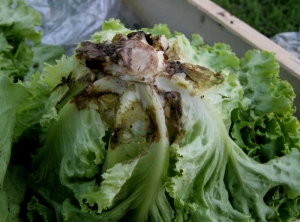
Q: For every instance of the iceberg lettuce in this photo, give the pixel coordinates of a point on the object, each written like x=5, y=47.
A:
x=144, y=125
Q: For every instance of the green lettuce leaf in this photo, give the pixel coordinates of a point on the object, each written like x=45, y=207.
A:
x=17, y=27
x=216, y=181
x=38, y=211
x=77, y=161
x=186, y=132
x=267, y=128
x=31, y=109
x=44, y=54
x=18, y=19
x=109, y=29
x=11, y=94
x=15, y=188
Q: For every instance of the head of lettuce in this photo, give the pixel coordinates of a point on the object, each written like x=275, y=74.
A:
x=145, y=125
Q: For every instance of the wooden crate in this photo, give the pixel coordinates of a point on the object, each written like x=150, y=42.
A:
x=214, y=24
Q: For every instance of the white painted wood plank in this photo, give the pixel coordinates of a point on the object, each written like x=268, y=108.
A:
x=248, y=34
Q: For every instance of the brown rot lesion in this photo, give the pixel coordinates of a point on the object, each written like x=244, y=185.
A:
x=174, y=115
x=201, y=77
x=114, y=138
x=69, y=81
x=136, y=53
x=95, y=54
x=174, y=67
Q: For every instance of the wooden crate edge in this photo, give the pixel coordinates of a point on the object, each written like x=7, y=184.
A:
x=287, y=61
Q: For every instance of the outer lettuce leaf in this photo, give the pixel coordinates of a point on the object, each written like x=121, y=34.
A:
x=267, y=129
x=259, y=76
x=17, y=33
x=17, y=23
x=31, y=109
x=226, y=97
x=16, y=62
x=67, y=155
x=74, y=141
x=18, y=20
x=44, y=54
x=15, y=187
x=197, y=41
x=38, y=211
x=19, y=57
x=65, y=79
x=215, y=180
x=218, y=57
x=46, y=95
x=113, y=180
x=76, y=156
x=5, y=47
x=11, y=95
x=109, y=29
x=159, y=29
